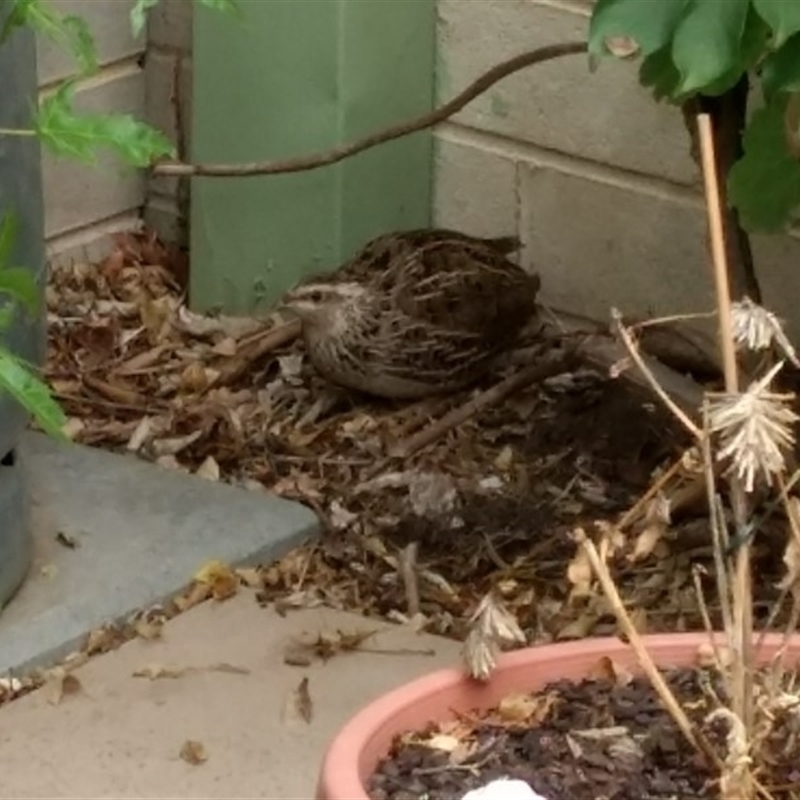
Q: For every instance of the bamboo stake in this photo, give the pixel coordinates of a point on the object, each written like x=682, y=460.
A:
x=742, y=634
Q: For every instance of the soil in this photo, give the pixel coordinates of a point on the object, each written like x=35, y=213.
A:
x=601, y=738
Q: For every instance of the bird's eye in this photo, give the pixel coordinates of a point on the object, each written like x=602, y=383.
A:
x=316, y=297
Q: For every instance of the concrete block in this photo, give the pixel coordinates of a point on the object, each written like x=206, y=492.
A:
x=474, y=189
x=76, y=194
x=90, y=244
x=605, y=117
x=170, y=25
x=142, y=530
x=161, y=214
x=777, y=260
x=598, y=245
x=110, y=25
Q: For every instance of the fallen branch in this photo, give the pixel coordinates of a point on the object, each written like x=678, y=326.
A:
x=492, y=396
x=235, y=367
x=602, y=351
x=339, y=153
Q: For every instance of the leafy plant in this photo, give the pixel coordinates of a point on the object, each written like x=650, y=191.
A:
x=65, y=132
x=692, y=48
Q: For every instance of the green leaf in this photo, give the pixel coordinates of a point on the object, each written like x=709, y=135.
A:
x=80, y=41
x=228, y=6
x=764, y=185
x=659, y=73
x=7, y=314
x=23, y=385
x=14, y=19
x=8, y=235
x=79, y=136
x=780, y=71
x=707, y=43
x=783, y=16
x=650, y=23
x=70, y=31
x=753, y=45
x=141, y=7
x=19, y=284
x=139, y=14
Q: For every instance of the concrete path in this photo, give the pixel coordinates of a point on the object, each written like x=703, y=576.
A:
x=121, y=736
x=140, y=533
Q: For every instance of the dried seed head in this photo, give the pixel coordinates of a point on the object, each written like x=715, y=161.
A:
x=755, y=328
x=480, y=655
x=490, y=626
x=496, y=622
x=755, y=427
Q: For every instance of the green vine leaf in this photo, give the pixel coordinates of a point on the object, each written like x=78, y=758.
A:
x=780, y=71
x=707, y=43
x=141, y=7
x=70, y=30
x=659, y=73
x=227, y=6
x=19, y=284
x=15, y=282
x=783, y=16
x=764, y=185
x=23, y=384
x=649, y=24
x=78, y=136
x=139, y=14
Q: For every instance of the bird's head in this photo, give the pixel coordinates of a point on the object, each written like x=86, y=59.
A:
x=315, y=301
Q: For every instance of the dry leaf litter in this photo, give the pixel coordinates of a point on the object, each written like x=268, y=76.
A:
x=487, y=505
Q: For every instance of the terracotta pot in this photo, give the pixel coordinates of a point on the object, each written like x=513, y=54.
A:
x=356, y=750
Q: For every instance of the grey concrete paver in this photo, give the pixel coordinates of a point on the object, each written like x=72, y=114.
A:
x=120, y=736
x=142, y=531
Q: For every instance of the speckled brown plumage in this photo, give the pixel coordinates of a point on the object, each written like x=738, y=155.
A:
x=415, y=313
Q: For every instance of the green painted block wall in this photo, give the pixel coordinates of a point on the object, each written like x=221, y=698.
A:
x=287, y=78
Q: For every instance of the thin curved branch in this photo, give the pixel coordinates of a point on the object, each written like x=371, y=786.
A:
x=339, y=153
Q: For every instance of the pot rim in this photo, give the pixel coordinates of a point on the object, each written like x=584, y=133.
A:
x=342, y=765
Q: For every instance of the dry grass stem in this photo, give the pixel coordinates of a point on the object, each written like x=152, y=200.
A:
x=633, y=352
x=650, y=323
x=601, y=572
x=701, y=603
x=718, y=530
x=655, y=487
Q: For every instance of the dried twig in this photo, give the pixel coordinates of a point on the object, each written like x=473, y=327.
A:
x=633, y=351
x=501, y=390
x=718, y=529
x=407, y=563
x=339, y=153
x=649, y=323
x=271, y=339
x=601, y=572
x=655, y=487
